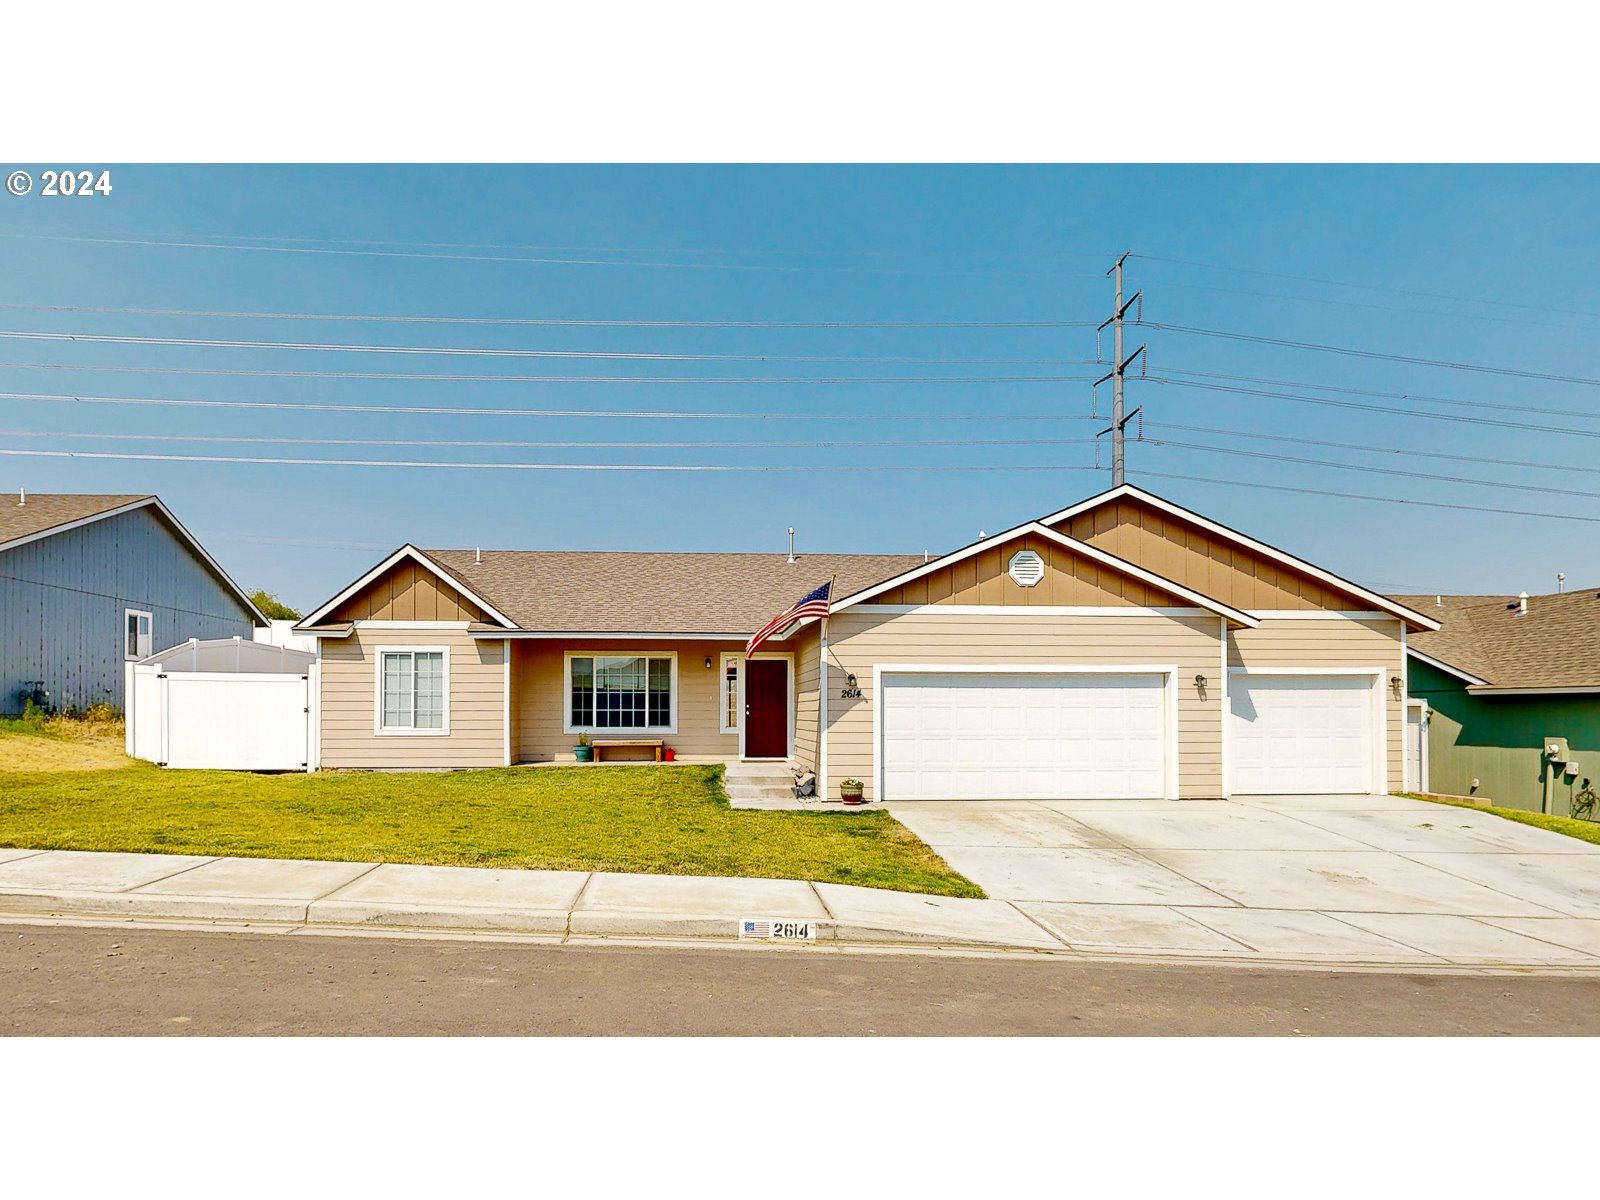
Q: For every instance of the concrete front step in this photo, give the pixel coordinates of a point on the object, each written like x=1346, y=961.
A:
x=751, y=791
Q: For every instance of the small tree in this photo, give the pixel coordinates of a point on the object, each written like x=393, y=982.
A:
x=271, y=607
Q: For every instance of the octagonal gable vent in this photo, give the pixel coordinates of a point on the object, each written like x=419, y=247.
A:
x=1026, y=568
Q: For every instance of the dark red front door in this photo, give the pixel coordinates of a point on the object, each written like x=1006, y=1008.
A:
x=766, y=708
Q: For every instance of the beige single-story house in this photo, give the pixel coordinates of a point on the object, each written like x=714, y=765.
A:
x=1122, y=647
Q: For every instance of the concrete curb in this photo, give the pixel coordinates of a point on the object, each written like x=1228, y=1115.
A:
x=583, y=907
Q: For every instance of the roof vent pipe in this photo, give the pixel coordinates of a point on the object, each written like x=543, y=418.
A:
x=477, y=556
x=1522, y=604
x=791, y=546
x=1561, y=582
x=22, y=497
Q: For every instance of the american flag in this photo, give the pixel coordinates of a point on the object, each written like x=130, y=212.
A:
x=810, y=607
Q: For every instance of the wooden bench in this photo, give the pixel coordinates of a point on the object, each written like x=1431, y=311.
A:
x=613, y=743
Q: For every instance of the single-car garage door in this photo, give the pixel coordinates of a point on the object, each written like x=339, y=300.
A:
x=1014, y=736
x=1300, y=734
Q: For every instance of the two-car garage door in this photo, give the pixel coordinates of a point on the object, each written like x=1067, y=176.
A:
x=1023, y=736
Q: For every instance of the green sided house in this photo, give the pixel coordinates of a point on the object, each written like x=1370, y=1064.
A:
x=1495, y=686
x=1122, y=647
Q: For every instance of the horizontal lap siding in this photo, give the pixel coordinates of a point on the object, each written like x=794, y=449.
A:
x=806, y=647
x=349, y=703
x=539, y=697
x=1333, y=642
x=859, y=640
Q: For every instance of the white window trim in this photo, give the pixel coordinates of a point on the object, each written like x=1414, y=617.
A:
x=378, y=727
x=737, y=728
x=1168, y=671
x=148, y=616
x=780, y=656
x=612, y=731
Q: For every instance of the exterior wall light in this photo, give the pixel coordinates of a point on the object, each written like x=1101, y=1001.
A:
x=708, y=662
x=1200, y=685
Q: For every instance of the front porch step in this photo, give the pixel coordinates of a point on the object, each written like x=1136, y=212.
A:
x=759, y=791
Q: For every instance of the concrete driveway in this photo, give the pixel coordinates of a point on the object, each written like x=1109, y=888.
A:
x=1330, y=878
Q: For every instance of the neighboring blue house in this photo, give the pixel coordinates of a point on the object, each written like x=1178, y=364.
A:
x=89, y=582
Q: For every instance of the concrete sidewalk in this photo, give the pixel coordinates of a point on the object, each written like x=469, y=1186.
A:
x=577, y=905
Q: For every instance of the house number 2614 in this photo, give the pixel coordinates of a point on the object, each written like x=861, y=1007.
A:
x=850, y=693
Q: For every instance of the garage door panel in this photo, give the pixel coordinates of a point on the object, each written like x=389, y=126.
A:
x=1300, y=734
x=1023, y=736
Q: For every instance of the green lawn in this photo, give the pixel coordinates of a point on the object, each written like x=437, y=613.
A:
x=1584, y=831
x=659, y=820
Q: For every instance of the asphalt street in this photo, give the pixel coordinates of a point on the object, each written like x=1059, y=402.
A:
x=130, y=980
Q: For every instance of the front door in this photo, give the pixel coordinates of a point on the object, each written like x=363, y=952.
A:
x=766, y=708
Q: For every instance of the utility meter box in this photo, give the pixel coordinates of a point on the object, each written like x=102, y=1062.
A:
x=1555, y=749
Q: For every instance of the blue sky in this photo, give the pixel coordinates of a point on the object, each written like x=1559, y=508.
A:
x=1455, y=264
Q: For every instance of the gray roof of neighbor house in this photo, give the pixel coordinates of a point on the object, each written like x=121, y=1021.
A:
x=590, y=591
x=45, y=511
x=1555, y=645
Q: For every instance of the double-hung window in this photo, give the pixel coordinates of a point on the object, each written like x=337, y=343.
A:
x=623, y=691
x=411, y=691
x=136, y=634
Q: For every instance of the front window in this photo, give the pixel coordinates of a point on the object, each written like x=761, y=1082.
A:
x=620, y=692
x=412, y=687
x=136, y=635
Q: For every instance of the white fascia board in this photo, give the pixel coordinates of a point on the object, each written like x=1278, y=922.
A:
x=149, y=502
x=1083, y=549
x=1439, y=665
x=1233, y=535
x=421, y=559
x=618, y=636
x=1582, y=689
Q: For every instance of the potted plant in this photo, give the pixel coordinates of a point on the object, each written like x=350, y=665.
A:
x=583, y=751
x=850, y=791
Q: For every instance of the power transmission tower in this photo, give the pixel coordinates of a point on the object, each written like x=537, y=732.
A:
x=1119, y=419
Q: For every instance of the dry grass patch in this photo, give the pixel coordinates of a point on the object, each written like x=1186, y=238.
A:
x=92, y=741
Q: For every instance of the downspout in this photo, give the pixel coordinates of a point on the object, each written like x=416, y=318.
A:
x=822, y=711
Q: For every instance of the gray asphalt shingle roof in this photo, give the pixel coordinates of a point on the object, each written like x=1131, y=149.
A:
x=46, y=510
x=592, y=591
x=1556, y=644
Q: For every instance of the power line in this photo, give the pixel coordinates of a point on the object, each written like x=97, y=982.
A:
x=1415, y=396
x=713, y=468
x=1357, y=406
x=172, y=243
x=1440, y=454
x=1399, y=474
x=808, y=253
x=1368, y=287
x=1280, y=487
x=562, y=322
x=434, y=410
x=1412, y=360
x=493, y=352
x=444, y=377
x=547, y=445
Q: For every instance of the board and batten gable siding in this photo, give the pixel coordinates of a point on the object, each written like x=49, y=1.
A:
x=859, y=639
x=1185, y=553
x=62, y=602
x=539, y=697
x=1369, y=642
x=1069, y=580
x=476, y=685
x=408, y=591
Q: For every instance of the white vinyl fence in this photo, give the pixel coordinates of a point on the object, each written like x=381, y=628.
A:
x=226, y=705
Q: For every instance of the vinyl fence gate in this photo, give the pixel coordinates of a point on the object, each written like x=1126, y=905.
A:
x=227, y=720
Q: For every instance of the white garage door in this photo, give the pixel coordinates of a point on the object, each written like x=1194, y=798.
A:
x=1300, y=734
x=1023, y=736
